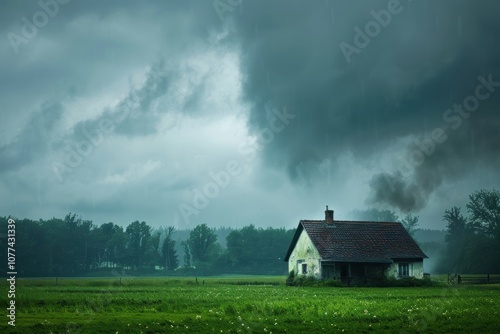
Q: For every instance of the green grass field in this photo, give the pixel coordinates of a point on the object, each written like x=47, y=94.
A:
x=252, y=304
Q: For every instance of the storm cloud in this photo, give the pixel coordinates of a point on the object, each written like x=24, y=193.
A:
x=425, y=60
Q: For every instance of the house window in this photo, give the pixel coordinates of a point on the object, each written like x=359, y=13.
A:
x=304, y=268
x=404, y=270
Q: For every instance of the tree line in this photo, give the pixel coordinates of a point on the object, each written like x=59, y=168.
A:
x=76, y=247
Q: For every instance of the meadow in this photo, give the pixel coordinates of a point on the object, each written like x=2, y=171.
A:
x=253, y=304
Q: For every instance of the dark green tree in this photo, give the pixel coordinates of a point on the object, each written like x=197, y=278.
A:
x=56, y=246
x=187, y=253
x=472, y=243
x=169, y=254
x=117, y=247
x=254, y=251
x=138, y=235
x=101, y=244
x=234, y=242
x=456, y=227
x=456, y=239
x=153, y=251
x=484, y=209
x=201, y=238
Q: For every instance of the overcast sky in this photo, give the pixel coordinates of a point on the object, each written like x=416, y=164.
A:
x=237, y=112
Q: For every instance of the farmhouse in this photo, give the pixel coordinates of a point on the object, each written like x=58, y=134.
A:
x=348, y=250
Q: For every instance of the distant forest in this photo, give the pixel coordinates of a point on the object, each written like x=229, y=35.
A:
x=75, y=247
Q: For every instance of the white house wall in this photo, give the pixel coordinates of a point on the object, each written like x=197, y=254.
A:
x=306, y=252
x=416, y=269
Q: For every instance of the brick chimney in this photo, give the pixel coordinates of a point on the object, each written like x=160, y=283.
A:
x=328, y=216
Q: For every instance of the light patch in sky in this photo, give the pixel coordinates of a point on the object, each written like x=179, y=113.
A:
x=134, y=173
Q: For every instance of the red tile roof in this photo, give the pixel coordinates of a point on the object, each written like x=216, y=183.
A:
x=359, y=241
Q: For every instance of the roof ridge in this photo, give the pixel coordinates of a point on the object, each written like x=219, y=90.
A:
x=348, y=221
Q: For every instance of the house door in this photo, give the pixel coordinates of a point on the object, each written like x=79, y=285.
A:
x=344, y=270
